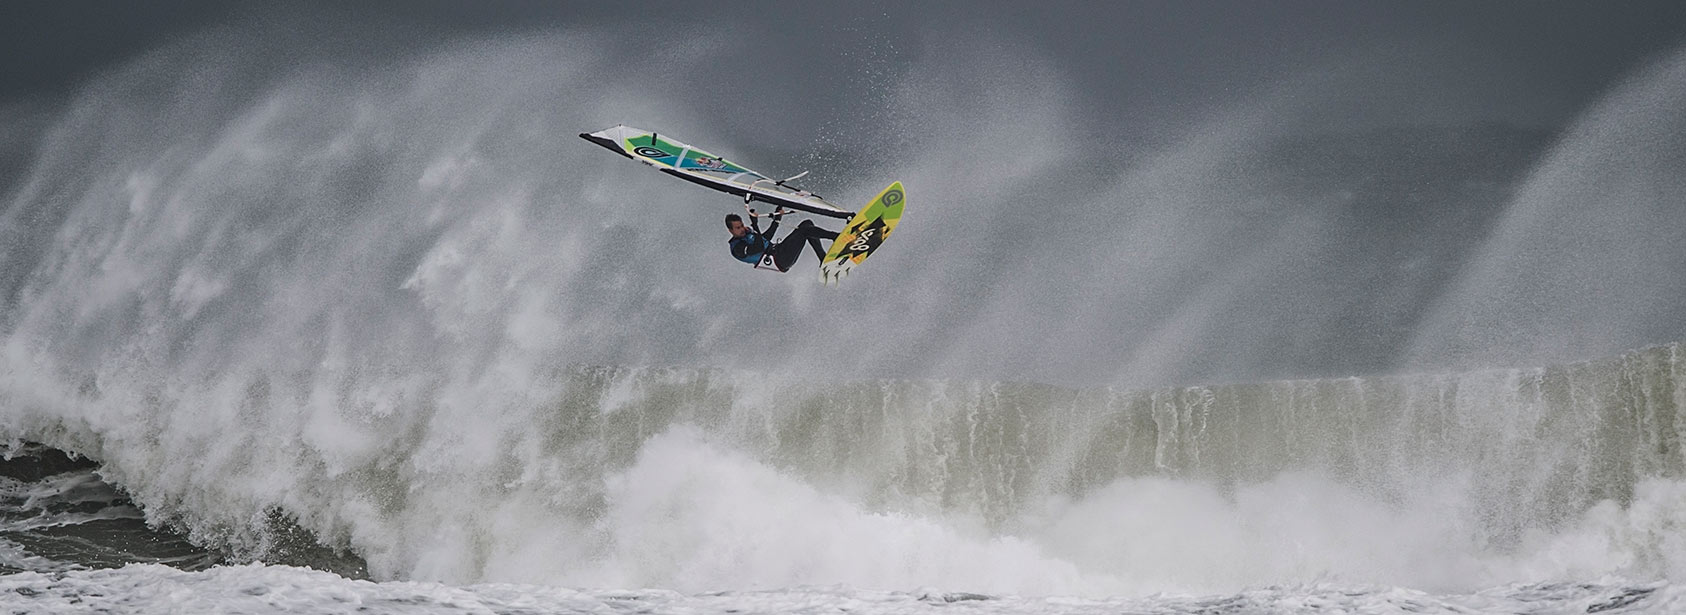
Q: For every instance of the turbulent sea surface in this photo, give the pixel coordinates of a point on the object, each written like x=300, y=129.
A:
x=988, y=497
x=343, y=328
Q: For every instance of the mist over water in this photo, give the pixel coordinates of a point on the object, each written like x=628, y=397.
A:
x=1579, y=266
x=397, y=303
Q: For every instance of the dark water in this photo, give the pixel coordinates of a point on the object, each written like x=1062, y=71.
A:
x=58, y=514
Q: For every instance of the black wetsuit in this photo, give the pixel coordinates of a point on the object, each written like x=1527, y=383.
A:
x=754, y=244
x=787, y=252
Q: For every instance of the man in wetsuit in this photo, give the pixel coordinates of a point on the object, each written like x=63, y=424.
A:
x=749, y=244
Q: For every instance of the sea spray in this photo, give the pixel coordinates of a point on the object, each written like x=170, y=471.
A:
x=667, y=476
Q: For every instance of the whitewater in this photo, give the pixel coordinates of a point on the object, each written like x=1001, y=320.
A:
x=382, y=336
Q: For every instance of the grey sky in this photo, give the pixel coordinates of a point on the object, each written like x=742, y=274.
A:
x=1157, y=55
x=1241, y=232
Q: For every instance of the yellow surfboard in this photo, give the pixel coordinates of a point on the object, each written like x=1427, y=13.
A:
x=864, y=233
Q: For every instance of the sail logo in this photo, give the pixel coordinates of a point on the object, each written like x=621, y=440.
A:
x=650, y=152
x=892, y=197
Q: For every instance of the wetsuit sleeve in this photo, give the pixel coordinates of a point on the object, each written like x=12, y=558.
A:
x=740, y=249
x=755, y=225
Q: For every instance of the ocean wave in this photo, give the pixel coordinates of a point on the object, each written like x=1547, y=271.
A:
x=710, y=478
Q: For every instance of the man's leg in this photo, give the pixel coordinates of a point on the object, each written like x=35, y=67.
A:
x=815, y=234
x=789, y=251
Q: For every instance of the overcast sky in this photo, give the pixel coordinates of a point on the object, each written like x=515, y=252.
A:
x=1160, y=55
x=1191, y=98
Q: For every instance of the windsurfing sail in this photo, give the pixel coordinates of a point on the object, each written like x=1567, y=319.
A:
x=699, y=167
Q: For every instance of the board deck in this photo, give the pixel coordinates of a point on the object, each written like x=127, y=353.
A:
x=864, y=234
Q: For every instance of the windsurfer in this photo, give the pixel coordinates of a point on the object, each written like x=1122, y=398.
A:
x=750, y=244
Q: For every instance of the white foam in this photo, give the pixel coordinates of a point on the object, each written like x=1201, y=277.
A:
x=273, y=589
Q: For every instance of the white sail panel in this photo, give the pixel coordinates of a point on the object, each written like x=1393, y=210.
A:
x=700, y=167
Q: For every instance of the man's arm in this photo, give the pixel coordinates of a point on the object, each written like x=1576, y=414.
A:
x=740, y=249
x=774, y=227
